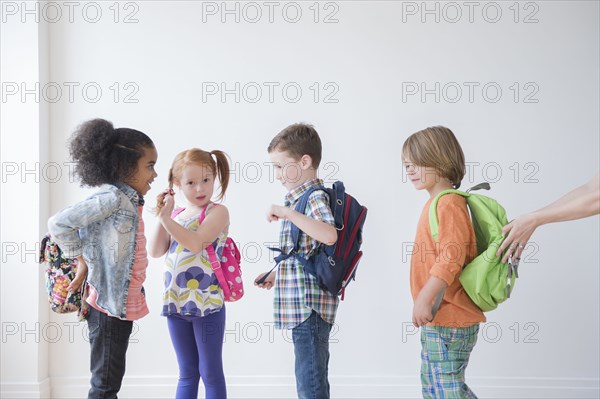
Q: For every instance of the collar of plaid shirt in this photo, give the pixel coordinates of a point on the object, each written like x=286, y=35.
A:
x=294, y=195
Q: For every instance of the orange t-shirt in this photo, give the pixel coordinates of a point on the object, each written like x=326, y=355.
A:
x=444, y=258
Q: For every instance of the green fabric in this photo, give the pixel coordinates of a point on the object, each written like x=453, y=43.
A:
x=486, y=280
x=445, y=353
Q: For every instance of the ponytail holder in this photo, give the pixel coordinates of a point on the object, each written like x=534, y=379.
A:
x=123, y=147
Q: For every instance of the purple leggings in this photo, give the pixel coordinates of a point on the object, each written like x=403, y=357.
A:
x=198, y=344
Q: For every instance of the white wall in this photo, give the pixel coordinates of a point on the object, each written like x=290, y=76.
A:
x=542, y=343
x=24, y=210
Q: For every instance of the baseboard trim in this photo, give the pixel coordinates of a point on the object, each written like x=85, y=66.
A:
x=26, y=390
x=351, y=387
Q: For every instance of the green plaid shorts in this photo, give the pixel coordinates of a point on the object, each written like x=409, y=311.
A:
x=445, y=355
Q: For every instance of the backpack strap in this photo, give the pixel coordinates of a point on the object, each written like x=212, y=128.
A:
x=211, y=251
x=203, y=213
x=295, y=231
x=433, y=218
x=177, y=212
x=338, y=191
x=301, y=208
x=200, y=218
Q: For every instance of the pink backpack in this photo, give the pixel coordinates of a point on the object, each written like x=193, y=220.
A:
x=227, y=269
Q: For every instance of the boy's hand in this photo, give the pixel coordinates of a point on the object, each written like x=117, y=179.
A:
x=268, y=283
x=277, y=212
x=422, y=312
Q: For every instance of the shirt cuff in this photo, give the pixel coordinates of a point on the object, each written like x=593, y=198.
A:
x=71, y=249
x=445, y=272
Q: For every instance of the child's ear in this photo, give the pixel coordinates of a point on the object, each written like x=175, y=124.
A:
x=306, y=162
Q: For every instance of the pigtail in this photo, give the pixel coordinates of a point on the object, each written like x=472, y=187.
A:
x=171, y=178
x=222, y=171
x=160, y=198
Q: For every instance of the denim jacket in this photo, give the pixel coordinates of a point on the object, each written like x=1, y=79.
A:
x=102, y=228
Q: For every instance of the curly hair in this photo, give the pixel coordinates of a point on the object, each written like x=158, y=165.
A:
x=104, y=154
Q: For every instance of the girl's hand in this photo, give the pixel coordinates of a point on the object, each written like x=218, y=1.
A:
x=79, y=277
x=76, y=283
x=517, y=233
x=160, y=199
x=277, y=212
x=422, y=313
x=268, y=283
x=168, y=203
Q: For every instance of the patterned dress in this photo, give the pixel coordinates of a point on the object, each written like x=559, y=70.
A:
x=191, y=287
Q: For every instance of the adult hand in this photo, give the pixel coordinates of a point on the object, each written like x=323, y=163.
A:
x=517, y=233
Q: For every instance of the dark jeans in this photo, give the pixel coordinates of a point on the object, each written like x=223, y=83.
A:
x=311, y=347
x=109, y=338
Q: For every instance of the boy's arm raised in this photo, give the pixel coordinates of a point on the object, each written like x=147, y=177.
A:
x=316, y=229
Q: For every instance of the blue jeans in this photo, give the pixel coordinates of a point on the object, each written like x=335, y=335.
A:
x=109, y=339
x=311, y=348
x=198, y=343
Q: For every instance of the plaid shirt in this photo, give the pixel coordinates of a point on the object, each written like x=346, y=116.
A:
x=297, y=293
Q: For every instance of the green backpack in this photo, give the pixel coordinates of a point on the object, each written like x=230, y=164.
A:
x=486, y=280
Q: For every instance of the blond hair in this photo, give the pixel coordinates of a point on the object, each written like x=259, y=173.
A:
x=438, y=148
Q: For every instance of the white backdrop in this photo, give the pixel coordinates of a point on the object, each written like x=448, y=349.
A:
x=518, y=82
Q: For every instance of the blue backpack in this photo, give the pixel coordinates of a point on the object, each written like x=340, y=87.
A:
x=334, y=266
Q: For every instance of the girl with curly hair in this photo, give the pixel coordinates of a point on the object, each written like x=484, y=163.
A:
x=105, y=233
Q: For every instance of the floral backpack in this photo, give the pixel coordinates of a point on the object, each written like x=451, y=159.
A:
x=60, y=271
x=227, y=269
